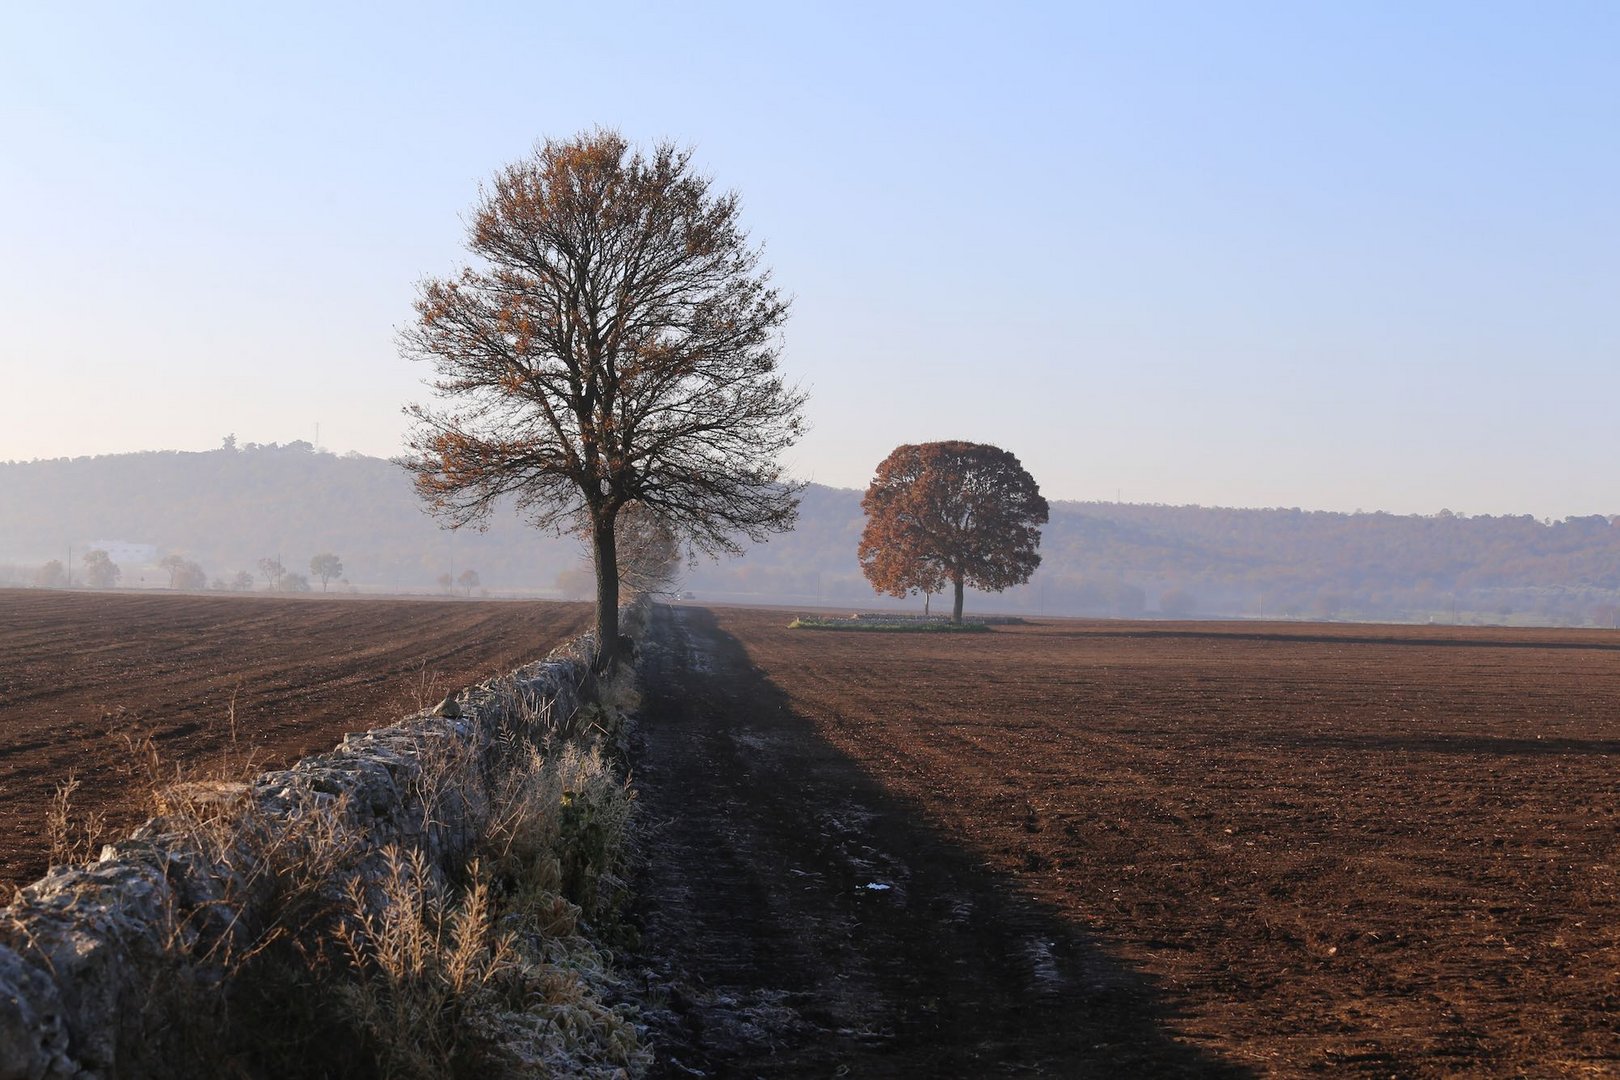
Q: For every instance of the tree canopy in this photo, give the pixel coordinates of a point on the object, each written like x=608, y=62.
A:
x=183, y=572
x=957, y=512
x=100, y=572
x=616, y=341
x=326, y=567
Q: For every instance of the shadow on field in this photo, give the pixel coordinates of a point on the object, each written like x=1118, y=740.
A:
x=1470, y=745
x=798, y=920
x=1308, y=638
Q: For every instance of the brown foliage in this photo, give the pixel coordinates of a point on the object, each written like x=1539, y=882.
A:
x=957, y=512
x=616, y=342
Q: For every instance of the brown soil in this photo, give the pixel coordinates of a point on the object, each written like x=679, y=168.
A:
x=80, y=672
x=1134, y=849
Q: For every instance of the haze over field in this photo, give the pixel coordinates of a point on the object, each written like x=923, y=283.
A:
x=1357, y=256
x=228, y=508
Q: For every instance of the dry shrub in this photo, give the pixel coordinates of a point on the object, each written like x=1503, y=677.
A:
x=422, y=693
x=449, y=778
x=559, y=830
x=241, y=989
x=71, y=838
x=560, y=817
x=497, y=978
x=458, y=986
x=311, y=954
x=429, y=971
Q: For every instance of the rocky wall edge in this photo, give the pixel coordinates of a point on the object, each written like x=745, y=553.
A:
x=82, y=949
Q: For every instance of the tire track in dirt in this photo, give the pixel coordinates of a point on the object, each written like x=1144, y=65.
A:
x=1341, y=848
x=797, y=920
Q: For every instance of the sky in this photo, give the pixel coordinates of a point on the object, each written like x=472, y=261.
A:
x=1328, y=255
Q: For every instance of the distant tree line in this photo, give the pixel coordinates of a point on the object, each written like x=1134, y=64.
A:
x=100, y=572
x=225, y=509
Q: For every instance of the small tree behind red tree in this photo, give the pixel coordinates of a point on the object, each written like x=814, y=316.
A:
x=614, y=340
x=958, y=512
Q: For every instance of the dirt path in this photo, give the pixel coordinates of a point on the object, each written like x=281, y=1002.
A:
x=1381, y=851
x=802, y=922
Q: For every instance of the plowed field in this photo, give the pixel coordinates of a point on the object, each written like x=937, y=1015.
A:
x=82, y=674
x=1382, y=850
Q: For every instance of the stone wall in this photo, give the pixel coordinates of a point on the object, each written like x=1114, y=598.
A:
x=84, y=950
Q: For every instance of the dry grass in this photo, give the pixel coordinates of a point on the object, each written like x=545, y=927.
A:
x=429, y=970
x=72, y=837
x=495, y=978
x=313, y=954
x=560, y=828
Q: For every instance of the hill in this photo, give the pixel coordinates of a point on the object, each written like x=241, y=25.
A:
x=229, y=507
x=1127, y=560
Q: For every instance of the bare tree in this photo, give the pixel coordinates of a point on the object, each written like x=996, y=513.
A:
x=174, y=564
x=183, y=572
x=272, y=570
x=616, y=341
x=649, y=552
x=468, y=580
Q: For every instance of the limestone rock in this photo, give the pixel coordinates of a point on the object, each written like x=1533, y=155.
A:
x=33, y=1037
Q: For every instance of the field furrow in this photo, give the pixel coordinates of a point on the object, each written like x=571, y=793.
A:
x=1388, y=849
x=86, y=678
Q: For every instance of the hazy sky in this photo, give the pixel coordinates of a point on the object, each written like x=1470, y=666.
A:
x=1330, y=255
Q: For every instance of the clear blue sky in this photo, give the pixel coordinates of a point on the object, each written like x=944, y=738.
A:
x=1302, y=254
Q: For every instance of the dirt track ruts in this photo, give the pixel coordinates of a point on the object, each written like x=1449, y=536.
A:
x=1381, y=851
x=809, y=923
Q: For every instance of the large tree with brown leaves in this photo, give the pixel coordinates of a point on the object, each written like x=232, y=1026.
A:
x=957, y=512
x=616, y=341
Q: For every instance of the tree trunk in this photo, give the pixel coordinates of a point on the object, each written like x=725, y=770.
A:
x=956, y=609
x=605, y=551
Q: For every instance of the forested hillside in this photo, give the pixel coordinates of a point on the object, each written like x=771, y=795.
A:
x=1130, y=560
x=228, y=508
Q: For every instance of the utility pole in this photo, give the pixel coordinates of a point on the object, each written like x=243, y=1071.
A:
x=70, y=566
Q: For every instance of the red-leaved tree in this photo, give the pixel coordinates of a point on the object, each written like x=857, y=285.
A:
x=958, y=512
